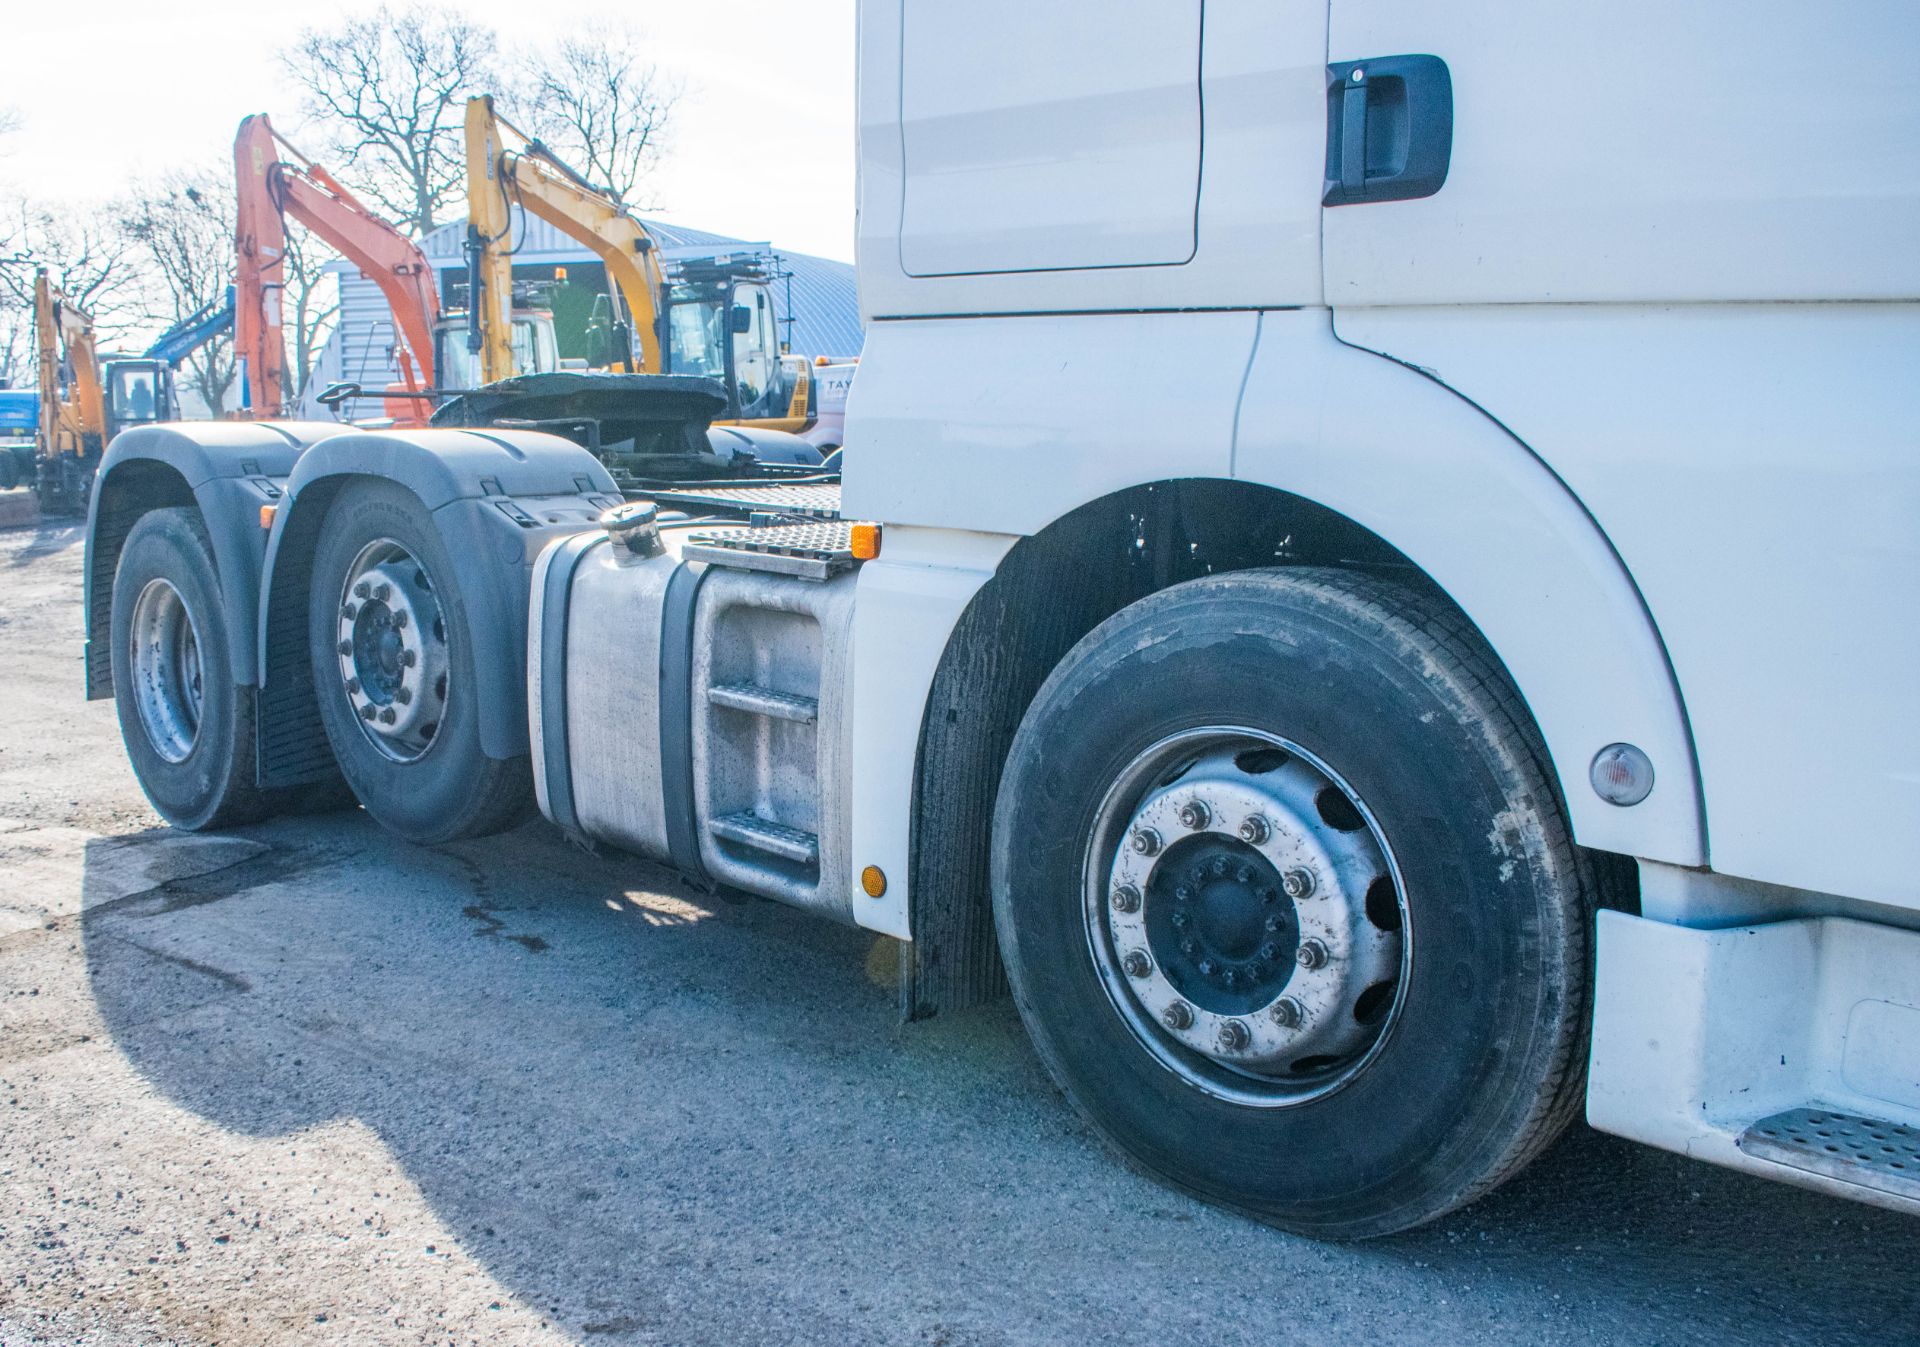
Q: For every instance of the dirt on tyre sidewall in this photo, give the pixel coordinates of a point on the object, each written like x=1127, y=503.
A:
x=1480, y=1065
x=452, y=789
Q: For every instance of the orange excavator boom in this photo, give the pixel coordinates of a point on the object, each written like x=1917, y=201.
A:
x=271, y=188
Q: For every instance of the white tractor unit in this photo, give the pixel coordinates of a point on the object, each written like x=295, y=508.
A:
x=1376, y=586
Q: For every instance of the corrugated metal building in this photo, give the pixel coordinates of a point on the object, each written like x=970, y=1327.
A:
x=825, y=311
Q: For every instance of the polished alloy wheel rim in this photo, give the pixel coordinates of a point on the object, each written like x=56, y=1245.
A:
x=392, y=650
x=1246, y=916
x=164, y=656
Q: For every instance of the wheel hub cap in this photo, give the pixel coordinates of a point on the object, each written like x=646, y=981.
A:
x=1256, y=941
x=164, y=657
x=392, y=650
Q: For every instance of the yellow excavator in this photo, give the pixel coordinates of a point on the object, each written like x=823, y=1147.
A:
x=84, y=400
x=711, y=318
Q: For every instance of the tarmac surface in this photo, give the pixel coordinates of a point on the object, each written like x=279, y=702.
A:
x=306, y=1083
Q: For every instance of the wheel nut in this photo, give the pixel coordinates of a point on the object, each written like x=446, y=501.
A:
x=1312, y=954
x=1286, y=1012
x=1126, y=898
x=1234, y=1036
x=367, y=713
x=1177, y=1016
x=1146, y=841
x=353, y=687
x=1298, y=882
x=400, y=619
x=408, y=659
x=345, y=647
x=382, y=591
x=386, y=715
x=362, y=590
x=403, y=695
x=1195, y=814
x=1255, y=831
x=349, y=610
x=1137, y=964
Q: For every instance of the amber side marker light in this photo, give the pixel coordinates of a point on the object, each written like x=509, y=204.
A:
x=873, y=880
x=865, y=542
x=267, y=513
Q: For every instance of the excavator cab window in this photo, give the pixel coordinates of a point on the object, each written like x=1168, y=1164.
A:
x=135, y=394
x=695, y=340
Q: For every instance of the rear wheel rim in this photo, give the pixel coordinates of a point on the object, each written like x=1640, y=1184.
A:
x=391, y=650
x=1246, y=917
x=164, y=655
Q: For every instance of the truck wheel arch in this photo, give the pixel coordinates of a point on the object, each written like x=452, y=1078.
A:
x=1056, y=585
x=456, y=474
x=226, y=470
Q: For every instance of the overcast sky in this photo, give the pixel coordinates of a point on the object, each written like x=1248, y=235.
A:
x=762, y=146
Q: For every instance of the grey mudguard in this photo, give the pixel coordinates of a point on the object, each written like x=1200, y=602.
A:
x=768, y=446
x=229, y=469
x=497, y=497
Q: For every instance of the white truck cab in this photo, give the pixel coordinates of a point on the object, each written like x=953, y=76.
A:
x=1372, y=586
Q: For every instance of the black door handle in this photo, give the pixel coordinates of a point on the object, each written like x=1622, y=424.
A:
x=1389, y=129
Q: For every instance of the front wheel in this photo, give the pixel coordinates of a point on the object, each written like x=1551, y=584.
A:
x=393, y=670
x=1289, y=905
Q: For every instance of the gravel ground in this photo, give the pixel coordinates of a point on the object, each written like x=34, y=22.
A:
x=304, y=1083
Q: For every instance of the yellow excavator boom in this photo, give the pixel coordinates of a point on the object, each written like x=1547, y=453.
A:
x=76, y=424
x=501, y=174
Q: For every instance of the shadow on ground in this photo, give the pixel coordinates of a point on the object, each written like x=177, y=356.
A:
x=50, y=535
x=654, y=1114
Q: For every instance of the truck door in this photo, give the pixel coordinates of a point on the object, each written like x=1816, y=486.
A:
x=1673, y=254
x=1634, y=151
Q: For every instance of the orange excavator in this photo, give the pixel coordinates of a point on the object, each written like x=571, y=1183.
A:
x=273, y=187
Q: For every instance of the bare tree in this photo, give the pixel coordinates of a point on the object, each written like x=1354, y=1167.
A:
x=183, y=226
x=89, y=256
x=16, y=345
x=389, y=88
x=314, y=293
x=593, y=99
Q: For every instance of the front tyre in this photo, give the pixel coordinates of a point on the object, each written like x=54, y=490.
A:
x=393, y=671
x=1289, y=905
x=188, y=727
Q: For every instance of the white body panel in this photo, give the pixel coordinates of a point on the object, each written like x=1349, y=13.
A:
x=945, y=452
x=1647, y=150
x=1698, y=1034
x=904, y=610
x=997, y=147
x=1758, y=470
x=1101, y=169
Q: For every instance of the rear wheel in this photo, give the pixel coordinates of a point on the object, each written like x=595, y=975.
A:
x=393, y=669
x=188, y=728
x=1288, y=903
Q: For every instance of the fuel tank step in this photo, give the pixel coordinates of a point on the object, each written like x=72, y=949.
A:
x=775, y=839
x=1872, y=1153
x=759, y=701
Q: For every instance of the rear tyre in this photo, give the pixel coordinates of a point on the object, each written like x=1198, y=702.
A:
x=1288, y=903
x=188, y=728
x=393, y=670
